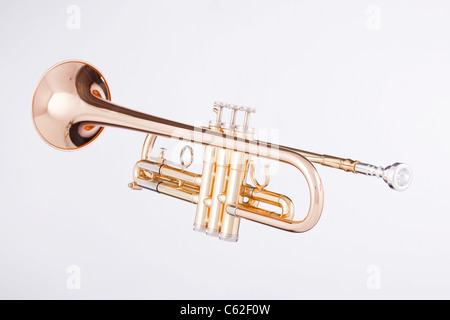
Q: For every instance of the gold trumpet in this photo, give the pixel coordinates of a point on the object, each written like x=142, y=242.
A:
x=71, y=105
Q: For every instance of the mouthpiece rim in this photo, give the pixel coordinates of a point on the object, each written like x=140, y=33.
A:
x=398, y=176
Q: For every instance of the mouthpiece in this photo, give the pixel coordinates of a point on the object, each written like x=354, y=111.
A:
x=398, y=176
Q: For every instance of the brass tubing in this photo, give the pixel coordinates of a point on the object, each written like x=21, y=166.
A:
x=327, y=160
x=173, y=190
x=269, y=218
x=148, y=146
x=180, y=175
x=229, y=229
x=230, y=225
x=273, y=219
x=167, y=187
x=189, y=181
x=220, y=179
x=207, y=177
x=169, y=172
x=272, y=198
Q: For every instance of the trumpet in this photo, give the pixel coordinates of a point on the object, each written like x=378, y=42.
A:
x=71, y=106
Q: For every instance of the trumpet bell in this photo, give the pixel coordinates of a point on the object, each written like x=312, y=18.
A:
x=59, y=99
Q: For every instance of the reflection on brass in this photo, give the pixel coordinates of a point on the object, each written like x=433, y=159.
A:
x=71, y=105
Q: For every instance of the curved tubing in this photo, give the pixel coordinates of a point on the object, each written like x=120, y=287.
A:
x=316, y=199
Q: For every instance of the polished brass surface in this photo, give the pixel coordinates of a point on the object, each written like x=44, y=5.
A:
x=57, y=105
x=205, y=190
x=71, y=106
x=229, y=227
x=279, y=200
x=219, y=185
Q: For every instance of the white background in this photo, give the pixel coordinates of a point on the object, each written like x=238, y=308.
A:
x=368, y=80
